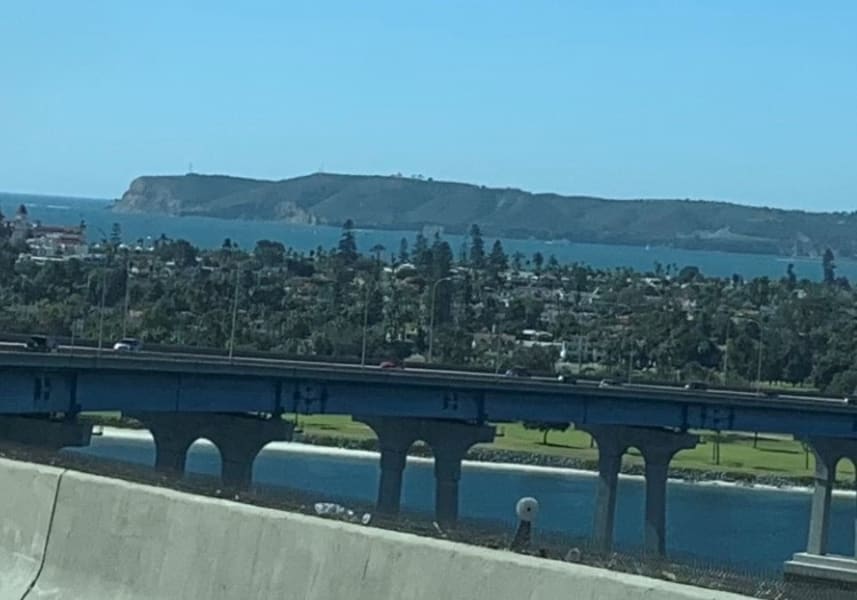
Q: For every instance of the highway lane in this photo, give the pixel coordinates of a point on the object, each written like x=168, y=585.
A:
x=446, y=376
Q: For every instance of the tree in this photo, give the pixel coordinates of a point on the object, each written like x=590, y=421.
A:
x=545, y=428
x=688, y=274
x=115, y=235
x=441, y=258
x=180, y=251
x=269, y=253
x=421, y=254
x=347, y=244
x=477, y=247
x=377, y=249
x=791, y=278
x=828, y=267
x=497, y=260
x=227, y=244
x=538, y=262
x=404, y=255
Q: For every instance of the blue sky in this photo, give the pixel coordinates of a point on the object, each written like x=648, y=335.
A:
x=746, y=101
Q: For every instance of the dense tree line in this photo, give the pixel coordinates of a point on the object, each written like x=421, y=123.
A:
x=670, y=324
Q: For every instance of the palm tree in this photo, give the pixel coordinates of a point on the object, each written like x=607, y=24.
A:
x=377, y=249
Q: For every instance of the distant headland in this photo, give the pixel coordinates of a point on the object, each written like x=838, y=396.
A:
x=413, y=203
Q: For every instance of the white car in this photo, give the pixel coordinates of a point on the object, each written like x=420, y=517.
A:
x=128, y=345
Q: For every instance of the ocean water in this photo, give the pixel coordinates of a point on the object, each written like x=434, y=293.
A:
x=755, y=529
x=210, y=233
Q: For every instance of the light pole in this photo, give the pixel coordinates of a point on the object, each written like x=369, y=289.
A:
x=103, y=299
x=101, y=308
x=365, y=324
x=234, y=314
x=496, y=334
x=625, y=338
x=759, y=358
x=431, y=316
x=127, y=296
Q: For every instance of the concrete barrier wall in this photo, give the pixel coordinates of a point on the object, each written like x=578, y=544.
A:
x=114, y=540
x=27, y=494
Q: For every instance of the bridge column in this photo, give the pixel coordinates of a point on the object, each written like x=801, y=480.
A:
x=814, y=564
x=172, y=441
x=449, y=441
x=827, y=454
x=395, y=437
x=658, y=446
x=610, y=451
x=239, y=438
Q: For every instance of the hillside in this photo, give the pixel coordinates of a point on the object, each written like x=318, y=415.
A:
x=408, y=203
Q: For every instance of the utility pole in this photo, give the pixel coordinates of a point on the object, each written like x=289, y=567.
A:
x=365, y=325
x=127, y=297
x=630, y=361
x=431, y=317
x=234, y=314
x=101, y=309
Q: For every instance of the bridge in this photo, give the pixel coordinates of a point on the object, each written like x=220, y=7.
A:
x=238, y=403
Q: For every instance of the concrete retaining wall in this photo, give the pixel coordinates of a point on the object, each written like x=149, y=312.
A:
x=27, y=494
x=114, y=540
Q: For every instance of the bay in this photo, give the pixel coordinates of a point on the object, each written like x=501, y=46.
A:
x=210, y=233
x=750, y=528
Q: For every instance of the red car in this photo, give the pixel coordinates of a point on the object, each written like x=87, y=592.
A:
x=391, y=364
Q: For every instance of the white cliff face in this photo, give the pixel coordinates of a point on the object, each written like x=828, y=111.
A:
x=144, y=197
x=290, y=212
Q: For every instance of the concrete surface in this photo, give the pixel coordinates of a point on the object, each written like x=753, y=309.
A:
x=841, y=570
x=114, y=540
x=27, y=495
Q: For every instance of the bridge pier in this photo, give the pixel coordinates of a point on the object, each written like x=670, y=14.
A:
x=658, y=446
x=815, y=564
x=449, y=441
x=239, y=437
x=44, y=432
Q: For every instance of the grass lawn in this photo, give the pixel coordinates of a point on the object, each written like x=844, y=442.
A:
x=773, y=456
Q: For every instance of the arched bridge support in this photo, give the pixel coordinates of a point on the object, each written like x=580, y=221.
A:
x=239, y=437
x=658, y=446
x=815, y=564
x=449, y=441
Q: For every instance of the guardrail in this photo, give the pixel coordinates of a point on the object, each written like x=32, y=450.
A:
x=243, y=354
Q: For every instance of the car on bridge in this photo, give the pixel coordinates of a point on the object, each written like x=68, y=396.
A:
x=128, y=345
x=42, y=343
x=517, y=372
x=391, y=364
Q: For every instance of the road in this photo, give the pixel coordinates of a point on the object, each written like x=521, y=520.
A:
x=462, y=376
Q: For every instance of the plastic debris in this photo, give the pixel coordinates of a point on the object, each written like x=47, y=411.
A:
x=337, y=511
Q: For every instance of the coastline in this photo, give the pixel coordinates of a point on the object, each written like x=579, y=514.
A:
x=500, y=460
